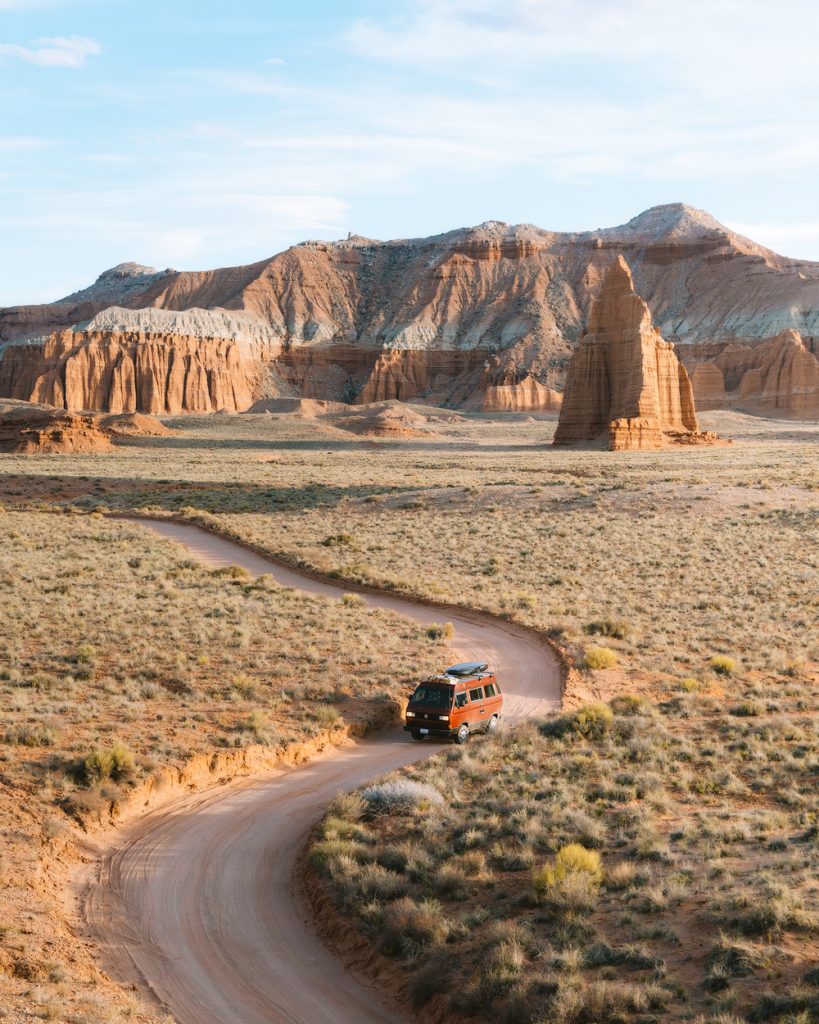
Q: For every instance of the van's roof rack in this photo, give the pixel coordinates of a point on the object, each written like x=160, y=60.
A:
x=467, y=668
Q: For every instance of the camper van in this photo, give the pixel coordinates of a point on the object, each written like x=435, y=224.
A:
x=464, y=699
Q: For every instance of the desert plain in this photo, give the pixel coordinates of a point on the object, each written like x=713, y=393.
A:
x=680, y=588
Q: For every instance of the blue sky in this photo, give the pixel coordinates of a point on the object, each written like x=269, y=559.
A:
x=195, y=133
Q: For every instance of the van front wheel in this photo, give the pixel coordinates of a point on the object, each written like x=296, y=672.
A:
x=493, y=725
x=462, y=735
x=418, y=736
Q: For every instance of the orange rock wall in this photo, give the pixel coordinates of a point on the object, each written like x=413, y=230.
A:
x=133, y=372
x=777, y=377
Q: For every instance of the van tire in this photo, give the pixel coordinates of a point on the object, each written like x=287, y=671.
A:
x=493, y=725
x=462, y=735
x=418, y=736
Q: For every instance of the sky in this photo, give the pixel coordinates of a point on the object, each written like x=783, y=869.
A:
x=196, y=133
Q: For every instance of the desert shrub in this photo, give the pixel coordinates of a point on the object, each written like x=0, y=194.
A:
x=731, y=959
x=326, y=715
x=347, y=806
x=450, y=881
x=244, y=686
x=592, y=720
x=636, y=957
x=231, y=572
x=601, y=1002
x=337, y=540
x=619, y=629
x=85, y=654
x=326, y=852
x=624, y=875
x=436, y=631
x=599, y=658
x=800, y=1005
x=723, y=665
x=375, y=882
x=96, y=766
x=774, y=909
x=629, y=704
x=353, y=601
x=502, y=968
x=572, y=882
x=40, y=734
x=748, y=709
x=256, y=723
x=398, y=796
x=410, y=926
x=122, y=762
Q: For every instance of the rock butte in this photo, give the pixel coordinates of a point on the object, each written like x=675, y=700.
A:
x=485, y=317
x=625, y=385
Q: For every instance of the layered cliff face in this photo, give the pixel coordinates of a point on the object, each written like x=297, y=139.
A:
x=123, y=372
x=777, y=377
x=624, y=383
x=518, y=296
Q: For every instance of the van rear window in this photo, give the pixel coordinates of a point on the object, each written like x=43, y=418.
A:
x=476, y=694
x=489, y=690
x=432, y=696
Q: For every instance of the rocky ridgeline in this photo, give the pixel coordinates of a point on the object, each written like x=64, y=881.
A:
x=480, y=317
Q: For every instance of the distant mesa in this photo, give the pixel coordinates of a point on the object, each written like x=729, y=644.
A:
x=625, y=385
x=476, y=318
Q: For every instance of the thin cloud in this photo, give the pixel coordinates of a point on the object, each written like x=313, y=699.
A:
x=54, y=51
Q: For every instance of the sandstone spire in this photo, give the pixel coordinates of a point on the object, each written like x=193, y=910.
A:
x=625, y=383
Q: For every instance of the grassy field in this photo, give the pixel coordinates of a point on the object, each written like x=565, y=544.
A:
x=120, y=657
x=687, y=578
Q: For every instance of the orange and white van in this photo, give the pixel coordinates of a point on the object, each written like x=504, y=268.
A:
x=465, y=699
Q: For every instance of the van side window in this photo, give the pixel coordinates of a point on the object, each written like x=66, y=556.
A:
x=476, y=694
x=460, y=700
x=489, y=690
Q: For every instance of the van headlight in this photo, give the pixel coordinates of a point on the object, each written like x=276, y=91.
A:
x=443, y=718
x=410, y=714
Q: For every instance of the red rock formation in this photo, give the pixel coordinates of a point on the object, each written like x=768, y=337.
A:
x=519, y=292
x=528, y=395
x=132, y=372
x=624, y=382
x=398, y=374
x=777, y=377
x=29, y=429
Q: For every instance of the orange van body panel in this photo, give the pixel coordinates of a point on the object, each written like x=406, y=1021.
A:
x=474, y=702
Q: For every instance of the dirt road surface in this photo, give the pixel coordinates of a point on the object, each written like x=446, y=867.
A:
x=198, y=903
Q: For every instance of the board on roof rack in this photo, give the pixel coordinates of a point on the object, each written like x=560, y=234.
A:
x=467, y=668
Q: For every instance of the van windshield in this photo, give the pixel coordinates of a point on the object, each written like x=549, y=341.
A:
x=432, y=695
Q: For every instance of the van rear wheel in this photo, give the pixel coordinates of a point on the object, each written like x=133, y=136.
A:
x=493, y=725
x=462, y=735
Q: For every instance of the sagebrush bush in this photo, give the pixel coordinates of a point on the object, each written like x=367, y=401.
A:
x=399, y=796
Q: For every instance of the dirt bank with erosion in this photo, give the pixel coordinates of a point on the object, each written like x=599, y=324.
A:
x=198, y=903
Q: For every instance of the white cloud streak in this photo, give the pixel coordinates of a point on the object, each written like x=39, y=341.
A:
x=54, y=51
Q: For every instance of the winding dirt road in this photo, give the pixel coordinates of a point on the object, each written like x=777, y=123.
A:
x=198, y=903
